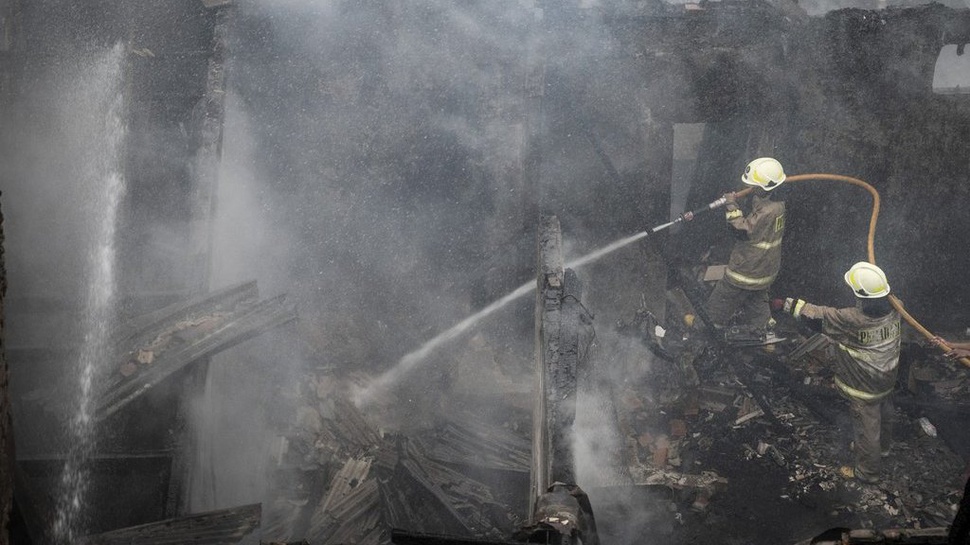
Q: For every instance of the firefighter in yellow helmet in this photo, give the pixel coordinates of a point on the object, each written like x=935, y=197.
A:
x=866, y=361
x=741, y=296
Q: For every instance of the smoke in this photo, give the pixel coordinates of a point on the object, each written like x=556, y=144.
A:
x=368, y=170
x=375, y=158
x=620, y=364
x=231, y=416
x=50, y=151
x=377, y=169
x=602, y=436
x=383, y=165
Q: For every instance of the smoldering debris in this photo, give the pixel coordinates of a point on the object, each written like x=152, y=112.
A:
x=747, y=417
x=340, y=478
x=704, y=436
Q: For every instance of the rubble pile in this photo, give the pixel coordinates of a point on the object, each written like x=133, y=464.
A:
x=697, y=417
x=727, y=433
x=938, y=379
x=340, y=479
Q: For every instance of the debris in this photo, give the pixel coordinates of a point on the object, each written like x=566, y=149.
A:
x=701, y=501
x=750, y=416
x=472, y=442
x=714, y=273
x=145, y=356
x=716, y=398
x=927, y=426
x=776, y=455
x=948, y=386
x=648, y=476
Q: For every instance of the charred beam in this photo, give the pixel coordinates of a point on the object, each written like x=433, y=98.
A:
x=210, y=151
x=190, y=340
x=563, y=337
x=548, y=322
x=143, y=329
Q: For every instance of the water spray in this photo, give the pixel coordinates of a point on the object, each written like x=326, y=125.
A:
x=376, y=389
x=99, y=100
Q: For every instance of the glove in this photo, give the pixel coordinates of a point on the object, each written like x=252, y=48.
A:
x=787, y=304
x=730, y=198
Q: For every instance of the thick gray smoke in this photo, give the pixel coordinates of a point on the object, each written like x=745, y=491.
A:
x=369, y=171
x=384, y=164
x=378, y=158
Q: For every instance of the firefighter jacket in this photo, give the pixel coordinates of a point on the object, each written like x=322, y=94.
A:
x=867, y=354
x=756, y=259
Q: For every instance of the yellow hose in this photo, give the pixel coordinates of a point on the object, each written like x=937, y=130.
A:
x=870, y=242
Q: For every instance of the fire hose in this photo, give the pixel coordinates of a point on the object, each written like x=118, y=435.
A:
x=870, y=241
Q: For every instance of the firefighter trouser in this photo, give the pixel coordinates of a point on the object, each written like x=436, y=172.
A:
x=727, y=300
x=872, y=432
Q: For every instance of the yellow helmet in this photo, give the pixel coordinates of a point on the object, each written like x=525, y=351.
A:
x=867, y=280
x=764, y=172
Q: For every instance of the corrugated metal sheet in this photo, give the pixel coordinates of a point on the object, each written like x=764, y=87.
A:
x=187, y=334
x=351, y=509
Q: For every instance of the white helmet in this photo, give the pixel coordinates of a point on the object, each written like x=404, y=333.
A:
x=764, y=172
x=867, y=280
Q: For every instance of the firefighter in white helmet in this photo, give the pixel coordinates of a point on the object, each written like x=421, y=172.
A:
x=866, y=361
x=741, y=296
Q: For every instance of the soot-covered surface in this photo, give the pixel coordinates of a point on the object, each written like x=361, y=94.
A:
x=774, y=433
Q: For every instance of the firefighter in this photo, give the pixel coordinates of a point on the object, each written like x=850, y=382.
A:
x=756, y=255
x=866, y=361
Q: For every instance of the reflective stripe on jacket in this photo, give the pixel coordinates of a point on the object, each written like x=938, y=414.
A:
x=755, y=261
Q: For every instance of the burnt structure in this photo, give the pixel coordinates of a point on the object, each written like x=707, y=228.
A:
x=582, y=128
x=560, y=511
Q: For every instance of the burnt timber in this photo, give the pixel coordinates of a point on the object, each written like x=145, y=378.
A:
x=549, y=441
x=197, y=329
